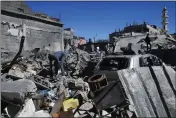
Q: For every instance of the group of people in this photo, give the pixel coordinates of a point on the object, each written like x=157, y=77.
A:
x=57, y=57
x=129, y=51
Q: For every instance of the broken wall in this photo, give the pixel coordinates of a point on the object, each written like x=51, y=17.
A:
x=38, y=33
x=18, y=6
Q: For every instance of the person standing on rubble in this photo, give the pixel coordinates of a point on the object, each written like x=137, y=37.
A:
x=147, y=41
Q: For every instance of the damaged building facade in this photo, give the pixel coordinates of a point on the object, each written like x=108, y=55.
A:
x=71, y=39
x=136, y=29
x=79, y=82
x=68, y=36
x=17, y=19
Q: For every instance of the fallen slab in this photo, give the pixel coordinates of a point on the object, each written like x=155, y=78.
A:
x=16, y=91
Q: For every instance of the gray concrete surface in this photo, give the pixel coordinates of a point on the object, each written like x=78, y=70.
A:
x=38, y=34
x=149, y=98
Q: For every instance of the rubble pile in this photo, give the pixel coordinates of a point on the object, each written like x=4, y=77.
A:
x=27, y=85
x=31, y=87
x=157, y=42
x=41, y=83
x=77, y=60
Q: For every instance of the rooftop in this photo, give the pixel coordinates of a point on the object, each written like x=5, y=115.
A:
x=28, y=16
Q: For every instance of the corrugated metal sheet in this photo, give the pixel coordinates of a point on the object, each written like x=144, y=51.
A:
x=150, y=91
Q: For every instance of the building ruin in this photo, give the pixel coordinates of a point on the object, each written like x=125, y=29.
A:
x=17, y=19
x=140, y=29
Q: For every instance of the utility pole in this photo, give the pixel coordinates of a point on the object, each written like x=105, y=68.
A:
x=95, y=37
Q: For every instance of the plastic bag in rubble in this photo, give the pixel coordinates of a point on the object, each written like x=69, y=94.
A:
x=50, y=93
x=43, y=93
x=70, y=104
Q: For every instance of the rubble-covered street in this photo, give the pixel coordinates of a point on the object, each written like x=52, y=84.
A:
x=35, y=84
x=46, y=74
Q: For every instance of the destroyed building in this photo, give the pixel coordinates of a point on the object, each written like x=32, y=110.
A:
x=136, y=33
x=71, y=39
x=135, y=29
x=71, y=84
x=68, y=36
x=17, y=19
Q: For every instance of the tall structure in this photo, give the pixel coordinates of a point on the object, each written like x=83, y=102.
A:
x=165, y=19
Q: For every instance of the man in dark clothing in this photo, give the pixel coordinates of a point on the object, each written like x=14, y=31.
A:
x=56, y=65
x=147, y=41
x=57, y=57
x=60, y=57
x=129, y=50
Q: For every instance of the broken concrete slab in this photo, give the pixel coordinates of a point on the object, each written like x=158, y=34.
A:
x=19, y=71
x=41, y=82
x=42, y=114
x=155, y=90
x=17, y=91
x=12, y=110
x=28, y=109
x=109, y=96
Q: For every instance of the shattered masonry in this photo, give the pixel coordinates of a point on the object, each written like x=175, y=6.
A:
x=42, y=78
x=39, y=32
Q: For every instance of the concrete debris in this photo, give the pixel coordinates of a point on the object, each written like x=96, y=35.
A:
x=11, y=110
x=131, y=75
x=42, y=114
x=28, y=109
x=157, y=42
x=27, y=82
x=17, y=91
x=39, y=82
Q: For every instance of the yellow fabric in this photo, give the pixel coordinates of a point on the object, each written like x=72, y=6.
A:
x=70, y=104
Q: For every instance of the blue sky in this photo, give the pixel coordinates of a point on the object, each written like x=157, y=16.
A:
x=101, y=18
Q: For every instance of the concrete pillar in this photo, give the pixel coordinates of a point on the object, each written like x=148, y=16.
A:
x=62, y=40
